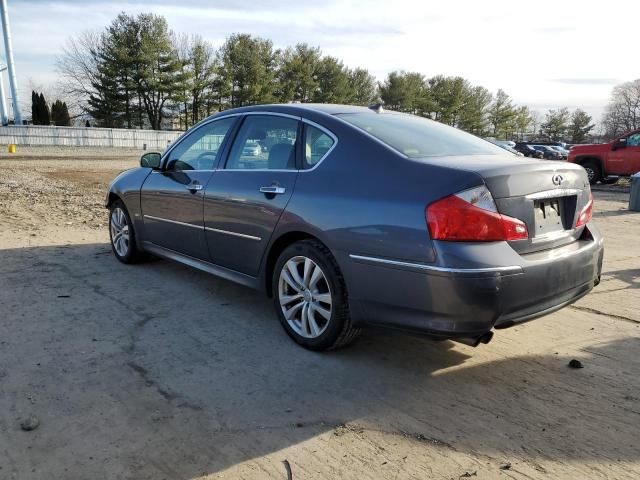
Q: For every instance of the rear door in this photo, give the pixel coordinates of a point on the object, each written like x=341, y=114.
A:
x=172, y=198
x=248, y=193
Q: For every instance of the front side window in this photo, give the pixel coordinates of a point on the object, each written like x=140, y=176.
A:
x=418, y=137
x=265, y=142
x=316, y=145
x=199, y=150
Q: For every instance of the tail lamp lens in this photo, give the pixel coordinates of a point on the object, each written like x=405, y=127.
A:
x=472, y=216
x=586, y=213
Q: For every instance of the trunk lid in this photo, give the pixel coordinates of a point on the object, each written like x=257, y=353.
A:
x=546, y=195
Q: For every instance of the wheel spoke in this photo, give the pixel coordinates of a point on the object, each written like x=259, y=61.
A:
x=315, y=329
x=304, y=319
x=309, y=267
x=287, y=299
x=292, y=268
x=122, y=250
x=289, y=313
x=323, y=297
x=315, y=277
x=322, y=311
x=286, y=276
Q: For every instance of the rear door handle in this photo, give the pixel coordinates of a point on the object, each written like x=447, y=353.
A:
x=194, y=187
x=274, y=190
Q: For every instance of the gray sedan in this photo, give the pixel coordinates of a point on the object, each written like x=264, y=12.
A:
x=353, y=216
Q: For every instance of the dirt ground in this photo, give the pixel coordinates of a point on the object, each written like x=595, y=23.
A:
x=158, y=371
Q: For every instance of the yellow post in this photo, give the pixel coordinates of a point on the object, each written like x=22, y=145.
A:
x=12, y=148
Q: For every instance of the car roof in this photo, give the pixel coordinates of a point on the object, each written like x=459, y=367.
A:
x=299, y=109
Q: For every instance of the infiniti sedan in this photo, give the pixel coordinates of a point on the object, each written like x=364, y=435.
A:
x=355, y=217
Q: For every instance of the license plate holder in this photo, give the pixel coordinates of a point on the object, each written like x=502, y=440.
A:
x=548, y=216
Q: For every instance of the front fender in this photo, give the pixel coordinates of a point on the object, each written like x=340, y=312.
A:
x=126, y=187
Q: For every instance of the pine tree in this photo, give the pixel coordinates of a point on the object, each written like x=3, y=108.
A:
x=35, y=108
x=39, y=110
x=65, y=118
x=60, y=114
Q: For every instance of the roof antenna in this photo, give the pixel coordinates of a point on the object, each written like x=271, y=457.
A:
x=377, y=107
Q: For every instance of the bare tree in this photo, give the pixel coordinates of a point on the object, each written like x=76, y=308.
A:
x=78, y=65
x=623, y=112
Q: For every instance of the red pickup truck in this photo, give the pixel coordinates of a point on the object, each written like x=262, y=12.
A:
x=619, y=157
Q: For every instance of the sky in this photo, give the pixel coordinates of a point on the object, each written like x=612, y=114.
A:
x=545, y=54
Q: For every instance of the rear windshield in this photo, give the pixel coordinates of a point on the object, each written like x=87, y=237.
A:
x=418, y=137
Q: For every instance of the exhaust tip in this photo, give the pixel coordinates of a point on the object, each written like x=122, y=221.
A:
x=475, y=341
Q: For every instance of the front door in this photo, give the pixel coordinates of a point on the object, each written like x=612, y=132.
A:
x=626, y=160
x=172, y=198
x=246, y=196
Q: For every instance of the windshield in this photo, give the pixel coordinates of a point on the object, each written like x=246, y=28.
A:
x=418, y=137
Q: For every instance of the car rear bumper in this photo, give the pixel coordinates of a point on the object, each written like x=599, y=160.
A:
x=467, y=302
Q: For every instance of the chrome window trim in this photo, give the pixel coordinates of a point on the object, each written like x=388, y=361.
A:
x=175, y=222
x=235, y=234
x=333, y=136
x=422, y=266
x=273, y=114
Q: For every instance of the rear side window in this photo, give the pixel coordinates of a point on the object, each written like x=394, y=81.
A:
x=316, y=145
x=418, y=137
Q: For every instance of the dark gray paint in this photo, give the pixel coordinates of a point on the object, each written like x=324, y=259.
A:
x=368, y=200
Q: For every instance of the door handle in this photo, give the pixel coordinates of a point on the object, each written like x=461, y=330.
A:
x=193, y=187
x=273, y=190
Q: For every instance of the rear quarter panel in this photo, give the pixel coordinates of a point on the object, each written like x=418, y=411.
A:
x=367, y=199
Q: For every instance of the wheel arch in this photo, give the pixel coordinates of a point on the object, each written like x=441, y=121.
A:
x=582, y=159
x=277, y=247
x=111, y=198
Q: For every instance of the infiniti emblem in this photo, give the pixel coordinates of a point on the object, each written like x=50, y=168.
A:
x=557, y=179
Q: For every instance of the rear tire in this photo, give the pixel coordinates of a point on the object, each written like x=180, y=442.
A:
x=310, y=297
x=122, y=234
x=593, y=171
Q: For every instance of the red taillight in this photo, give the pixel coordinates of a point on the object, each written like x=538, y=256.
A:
x=457, y=218
x=586, y=213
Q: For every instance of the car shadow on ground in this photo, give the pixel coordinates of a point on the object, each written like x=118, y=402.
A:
x=158, y=370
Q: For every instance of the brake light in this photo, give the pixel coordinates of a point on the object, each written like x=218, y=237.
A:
x=586, y=213
x=472, y=216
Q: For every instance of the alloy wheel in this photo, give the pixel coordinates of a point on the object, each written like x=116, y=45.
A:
x=119, y=231
x=305, y=296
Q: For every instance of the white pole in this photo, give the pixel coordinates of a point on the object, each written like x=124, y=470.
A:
x=4, y=117
x=13, y=85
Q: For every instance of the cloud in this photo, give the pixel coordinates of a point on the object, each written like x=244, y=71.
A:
x=555, y=29
x=586, y=81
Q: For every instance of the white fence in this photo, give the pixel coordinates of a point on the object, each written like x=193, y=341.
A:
x=86, y=137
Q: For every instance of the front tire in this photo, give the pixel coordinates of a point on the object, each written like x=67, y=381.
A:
x=310, y=297
x=122, y=234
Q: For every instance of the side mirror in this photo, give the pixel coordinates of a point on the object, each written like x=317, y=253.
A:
x=619, y=143
x=150, y=160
